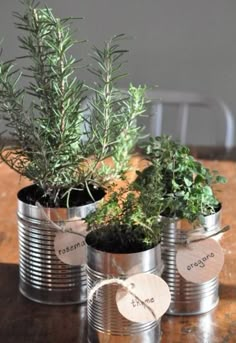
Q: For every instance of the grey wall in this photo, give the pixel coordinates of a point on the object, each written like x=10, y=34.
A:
x=178, y=44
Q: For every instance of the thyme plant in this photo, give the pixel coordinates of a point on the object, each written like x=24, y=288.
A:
x=58, y=146
x=187, y=186
x=121, y=224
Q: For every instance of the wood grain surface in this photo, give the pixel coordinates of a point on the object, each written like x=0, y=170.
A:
x=23, y=321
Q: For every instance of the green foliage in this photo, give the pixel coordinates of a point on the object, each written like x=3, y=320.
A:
x=186, y=185
x=174, y=185
x=113, y=111
x=123, y=217
x=149, y=184
x=59, y=147
x=49, y=151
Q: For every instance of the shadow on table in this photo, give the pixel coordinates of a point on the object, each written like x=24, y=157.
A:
x=227, y=292
x=214, y=153
x=25, y=321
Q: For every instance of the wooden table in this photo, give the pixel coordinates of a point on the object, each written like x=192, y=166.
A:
x=23, y=321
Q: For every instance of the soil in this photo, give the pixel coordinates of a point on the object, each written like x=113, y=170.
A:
x=120, y=241
x=33, y=194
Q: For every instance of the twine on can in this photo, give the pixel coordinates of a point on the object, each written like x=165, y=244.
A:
x=123, y=283
x=62, y=228
x=202, y=234
x=129, y=288
x=195, y=235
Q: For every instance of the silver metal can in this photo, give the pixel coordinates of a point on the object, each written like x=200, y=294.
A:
x=43, y=277
x=105, y=323
x=187, y=298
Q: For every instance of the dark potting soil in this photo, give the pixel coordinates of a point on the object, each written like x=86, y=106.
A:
x=122, y=241
x=33, y=194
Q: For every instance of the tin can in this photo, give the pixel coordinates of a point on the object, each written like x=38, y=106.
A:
x=43, y=277
x=105, y=323
x=187, y=298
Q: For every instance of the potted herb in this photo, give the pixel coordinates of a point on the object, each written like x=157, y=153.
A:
x=189, y=205
x=62, y=149
x=123, y=241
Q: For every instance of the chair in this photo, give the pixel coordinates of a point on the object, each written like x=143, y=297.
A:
x=183, y=101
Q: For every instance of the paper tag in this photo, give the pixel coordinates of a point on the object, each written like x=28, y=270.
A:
x=201, y=261
x=151, y=300
x=69, y=247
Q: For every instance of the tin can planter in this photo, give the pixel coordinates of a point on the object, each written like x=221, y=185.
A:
x=187, y=298
x=105, y=323
x=43, y=276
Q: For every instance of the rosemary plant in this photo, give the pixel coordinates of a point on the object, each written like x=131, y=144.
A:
x=58, y=146
x=187, y=186
x=112, y=123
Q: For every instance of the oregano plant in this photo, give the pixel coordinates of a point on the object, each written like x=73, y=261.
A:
x=187, y=186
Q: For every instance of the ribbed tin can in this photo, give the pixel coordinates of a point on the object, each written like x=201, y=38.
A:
x=105, y=323
x=43, y=277
x=187, y=298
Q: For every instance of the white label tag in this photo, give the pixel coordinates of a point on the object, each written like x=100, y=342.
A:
x=201, y=261
x=70, y=248
x=148, y=299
